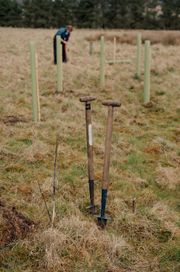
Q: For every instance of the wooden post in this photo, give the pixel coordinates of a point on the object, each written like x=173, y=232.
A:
x=59, y=65
x=147, y=68
x=102, y=63
x=114, y=50
x=34, y=81
x=138, y=60
x=134, y=205
x=90, y=47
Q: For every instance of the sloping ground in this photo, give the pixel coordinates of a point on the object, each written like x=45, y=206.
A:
x=145, y=159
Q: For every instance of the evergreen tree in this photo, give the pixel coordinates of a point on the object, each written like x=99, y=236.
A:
x=136, y=13
x=10, y=13
x=116, y=14
x=4, y=11
x=171, y=14
x=37, y=13
x=15, y=14
x=85, y=13
x=27, y=13
x=148, y=14
x=152, y=12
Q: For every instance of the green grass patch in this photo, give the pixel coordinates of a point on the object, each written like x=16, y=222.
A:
x=171, y=255
x=25, y=141
x=138, y=163
x=160, y=93
x=20, y=257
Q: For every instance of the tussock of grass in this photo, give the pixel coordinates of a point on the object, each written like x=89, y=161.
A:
x=163, y=212
x=79, y=239
x=35, y=152
x=168, y=177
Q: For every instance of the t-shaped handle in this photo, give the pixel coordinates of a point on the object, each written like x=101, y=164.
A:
x=111, y=103
x=87, y=98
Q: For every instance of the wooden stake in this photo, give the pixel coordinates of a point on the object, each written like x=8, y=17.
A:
x=59, y=65
x=54, y=184
x=114, y=50
x=138, y=60
x=134, y=205
x=102, y=64
x=147, y=65
x=90, y=47
x=43, y=197
x=34, y=81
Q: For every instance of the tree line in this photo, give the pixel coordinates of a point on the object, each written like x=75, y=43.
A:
x=134, y=14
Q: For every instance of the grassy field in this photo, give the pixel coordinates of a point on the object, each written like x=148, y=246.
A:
x=145, y=157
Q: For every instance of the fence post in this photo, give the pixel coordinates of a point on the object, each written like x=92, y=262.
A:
x=34, y=82
x=102, y=63
x=59, y=65
x=90, y=47
x=138, y=60
x=114, y=50
x=147, y=68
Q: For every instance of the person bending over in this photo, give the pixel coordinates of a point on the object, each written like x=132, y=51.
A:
x=64, y=34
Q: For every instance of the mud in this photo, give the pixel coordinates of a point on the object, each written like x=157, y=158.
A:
x=14, y=225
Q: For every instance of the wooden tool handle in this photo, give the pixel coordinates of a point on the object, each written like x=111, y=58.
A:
x=87, y=98
x=111, y=103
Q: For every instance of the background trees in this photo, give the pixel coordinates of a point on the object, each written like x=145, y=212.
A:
x=10, y=13
x=148, y=14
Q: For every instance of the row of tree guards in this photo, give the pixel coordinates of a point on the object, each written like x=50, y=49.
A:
x=87, y=100
x=103, y=61
x=34, y=77
x=36, y=115
x=147, y=63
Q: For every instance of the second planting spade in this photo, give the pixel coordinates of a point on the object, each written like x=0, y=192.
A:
x=102, y=219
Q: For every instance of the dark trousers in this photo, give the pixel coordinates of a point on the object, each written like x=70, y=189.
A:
x=64, y=55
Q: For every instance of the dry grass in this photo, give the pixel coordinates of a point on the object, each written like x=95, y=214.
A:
x=145, y=155
x=166, y=38
x=168, y=176
x=75, y=239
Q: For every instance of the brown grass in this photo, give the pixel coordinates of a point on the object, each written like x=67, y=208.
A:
x=79, y=239
x=129, y=37
x=168, y=176
x=144, y=159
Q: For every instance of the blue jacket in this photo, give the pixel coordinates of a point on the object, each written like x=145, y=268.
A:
x=63, y=33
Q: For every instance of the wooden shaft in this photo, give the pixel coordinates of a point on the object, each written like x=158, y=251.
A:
x=102, y=63
x=134, y=205
x=114, y=50
x=34, y=80
x=89, y=141
x=59, y=65
x=138, y=60
x=90, y=47
x=147, y=68
x=105, y=182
